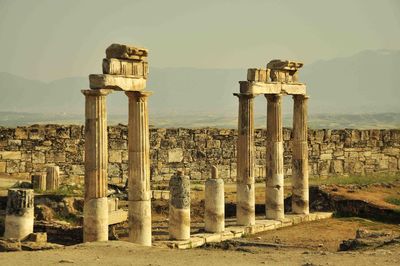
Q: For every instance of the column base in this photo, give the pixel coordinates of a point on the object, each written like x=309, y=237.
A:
x=245, y=207
x=19, y=226
x=95, y=220
x=139, y=214
x=179, y=223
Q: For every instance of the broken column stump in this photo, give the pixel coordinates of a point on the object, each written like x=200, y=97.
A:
x=179, y=207
x=19, y=213
x=52, y=177
x=214, y=216
x=38, y=182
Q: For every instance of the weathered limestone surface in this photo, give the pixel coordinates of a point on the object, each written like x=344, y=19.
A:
x=179, y=207
x=139, y=194
x=214, y=215
x=25, y=151
x=254, y=87
x=95, y=221
x=245, y=187
x=300, y=194
x=19, y=213
x=274, y=194
x=284, y=71
x=123, y=51
x=125, y=67
x=257, y=74
x=39, y=182
x=116, y=82
x=52, y=177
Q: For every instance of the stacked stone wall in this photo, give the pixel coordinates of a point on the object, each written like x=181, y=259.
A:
x=28, y=150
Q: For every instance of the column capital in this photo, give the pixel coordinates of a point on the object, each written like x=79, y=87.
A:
x=99, y=92
x=138, y=94
x=273, y=97
x=245, y=95
x=300, y=97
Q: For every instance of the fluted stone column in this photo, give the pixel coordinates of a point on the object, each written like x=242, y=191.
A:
x=300, y=195
x=95, y=220
x=274, y=194
x=214, y=216
x=139, y=194
x=19, y=213
x=52, y=177
x=245, y=189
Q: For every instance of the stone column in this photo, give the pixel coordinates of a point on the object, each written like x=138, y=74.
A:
x=214, y=217
x=245, y=189
x=274, y=195
x=19, y=213
x=38, y=182
x=179, y=207
x=300, y=196
x=95, y=220
x=52, y=177
x=139, y=194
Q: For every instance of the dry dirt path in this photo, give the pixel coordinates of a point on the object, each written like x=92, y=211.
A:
x=124, y=253
x=305, y=239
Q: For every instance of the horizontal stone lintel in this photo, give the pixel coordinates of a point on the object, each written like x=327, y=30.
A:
x=116, y=82
x=256, y=88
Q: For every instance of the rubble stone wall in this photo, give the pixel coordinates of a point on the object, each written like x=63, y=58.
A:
x=27, y=150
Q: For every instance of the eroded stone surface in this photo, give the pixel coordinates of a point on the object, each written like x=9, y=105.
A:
x=116, y=82
x=123, y=51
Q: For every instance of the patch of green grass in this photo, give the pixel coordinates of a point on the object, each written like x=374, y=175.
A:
x=355, y=179
x=393, y=200
x=67, y=190
x=70, y=218
x=197, y=188
x=363, y=222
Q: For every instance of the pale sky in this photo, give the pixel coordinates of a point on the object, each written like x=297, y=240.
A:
x=51, y=39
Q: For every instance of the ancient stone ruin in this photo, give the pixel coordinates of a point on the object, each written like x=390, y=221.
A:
x=124, y=69
x=280, y=78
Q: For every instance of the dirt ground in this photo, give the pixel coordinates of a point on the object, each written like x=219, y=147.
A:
x=313, y=243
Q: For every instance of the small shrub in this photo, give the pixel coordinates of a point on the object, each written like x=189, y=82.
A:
x=393, y=200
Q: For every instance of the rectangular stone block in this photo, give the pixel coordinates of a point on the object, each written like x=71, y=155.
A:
x=116, y=217
x=257, y=74
x=123, y=51
x=253, y=87
x=40, y=237
x=10, y=155
x=116, y=82
x=175, y=155
x=3, y=167
x=197, y=242
x=125, y=67
x=226, y=235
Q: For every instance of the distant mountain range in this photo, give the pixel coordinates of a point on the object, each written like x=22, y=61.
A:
x=363, y=85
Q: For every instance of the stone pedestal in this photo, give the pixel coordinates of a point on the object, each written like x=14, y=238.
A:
x=95, y=221
x=300, y=194
x=245, y=194
x=38, y=182
x=19, y=213
x=214, y=217
x=274, y=194
x=52, y=177
x=179, y=207
x=139, y=194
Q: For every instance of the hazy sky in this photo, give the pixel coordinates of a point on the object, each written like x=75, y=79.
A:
x=50, y=39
